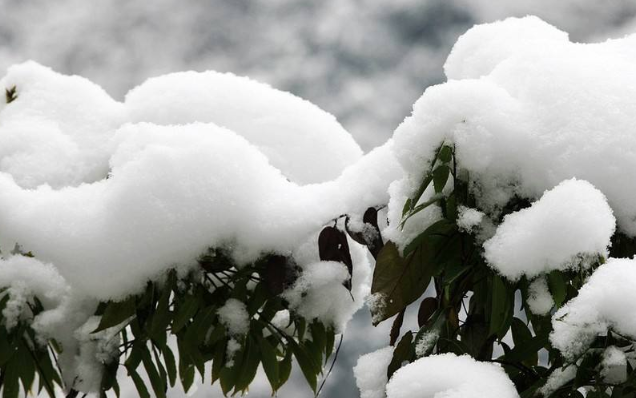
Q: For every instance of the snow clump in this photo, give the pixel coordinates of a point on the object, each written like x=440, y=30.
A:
x=233, y=314
x=523, y=115
x=450, y=376
x=603, y=303
x=370, y=373
x=568, y=227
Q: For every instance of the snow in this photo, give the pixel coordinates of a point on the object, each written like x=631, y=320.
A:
x=525, y=112
x=469, y=219
x=320, y=293
x=450, y=376
x=294, y=134
x=27, y=277
x=233, y=314
x=108, y=195
x=95, y=350
x=539, y=297
x=175, y=190
x=557, y=379
x=614, y=365
x=426, y=343
x=370, y=372
x=603, y=303
x=570, y=226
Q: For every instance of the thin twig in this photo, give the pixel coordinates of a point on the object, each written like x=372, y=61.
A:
x=335, y=358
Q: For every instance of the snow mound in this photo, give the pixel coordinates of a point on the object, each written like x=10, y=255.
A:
x=603, y=303
x=526, y=109
x=306, y=143
x=567, y=227
x=165, y=193
x=57, y=130
x=450, y=376
x=370, y=373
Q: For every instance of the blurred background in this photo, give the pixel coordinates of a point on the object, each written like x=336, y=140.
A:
x=365, y=61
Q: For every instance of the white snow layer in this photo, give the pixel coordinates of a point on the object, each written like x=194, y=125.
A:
x=527, y=109
x=604, y=302
x=568, y=227
x=109, y=195
x=370, y=373
x=173, y=190
x=450, y=376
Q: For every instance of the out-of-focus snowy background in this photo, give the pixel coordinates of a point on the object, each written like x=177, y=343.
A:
x=365, y=61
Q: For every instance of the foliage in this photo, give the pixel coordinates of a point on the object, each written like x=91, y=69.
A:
x=186, y=309
x=472, y=308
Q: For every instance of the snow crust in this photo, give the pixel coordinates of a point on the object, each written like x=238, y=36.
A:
x=370, y=373
x=568, y=227
x=450, y=376
x=603, y=303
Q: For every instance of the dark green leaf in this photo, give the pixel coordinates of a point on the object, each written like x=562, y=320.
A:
x=284, y=368
x=270, y=363
x=307, y=365
x=440, y=177
x=249, y=365
x=404, y=352
x=558, y=287
x=184, y=313
x=427, y=308
x=116, y=313
x=139, y=384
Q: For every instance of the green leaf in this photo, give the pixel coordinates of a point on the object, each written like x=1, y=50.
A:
x=420, y=191
x=307, y=365
x=428, y=306
x=420, y=207
x=249, y=365
x=270, y=362
x=401, y=281
x=218, y=361
x=139, y=384
x=284, y=369
x=528, y=350
x=161, y=319
x=6, y=348
x=23, y=361
x=116, y=313
x=187, y=377
x=184, y=313
x=404, y=352
x=558, y=287
x=440, y=177
x=502, y=301
x=330, y=343
x=521, y=335
x=171, y=365
x=11, y=387
x=158, y=384
x=445, y=154
x=443, y=228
